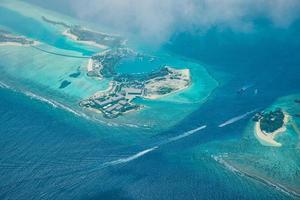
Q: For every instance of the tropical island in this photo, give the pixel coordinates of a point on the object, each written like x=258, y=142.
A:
x=86, y=36
x=9, y=39
x=98, y=39
x=103, y=64
x=268, y=125
x=124, y=89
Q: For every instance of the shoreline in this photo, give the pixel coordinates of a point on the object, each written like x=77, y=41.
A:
x=186, y=73
x=154, y=97
x=89, y=66
x=263, y=180
x=89, y=43
x=268, y=139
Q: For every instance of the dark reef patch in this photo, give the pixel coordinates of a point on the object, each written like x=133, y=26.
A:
x=64, y=84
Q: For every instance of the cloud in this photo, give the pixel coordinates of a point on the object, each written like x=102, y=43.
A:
x=157, y=20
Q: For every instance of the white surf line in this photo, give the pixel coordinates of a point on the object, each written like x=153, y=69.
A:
x=144, y=152
x=235, y=119
x=37, y=97
x=53, y=103
x=234, y=170
x=4, y=85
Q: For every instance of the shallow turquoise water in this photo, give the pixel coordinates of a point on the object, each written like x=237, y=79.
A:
x=139, y=65
x=55, y=154
x=49, y=71
x=34, y=29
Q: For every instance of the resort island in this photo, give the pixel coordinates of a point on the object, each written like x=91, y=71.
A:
x=125, y=88
x=268, y=125
x=9, y=39
x=103, y=64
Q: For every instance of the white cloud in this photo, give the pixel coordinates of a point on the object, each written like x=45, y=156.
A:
x=156, y=20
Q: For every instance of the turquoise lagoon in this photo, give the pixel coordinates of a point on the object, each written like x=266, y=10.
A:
x=276, y=167
x=53, y=154
x=42, y=73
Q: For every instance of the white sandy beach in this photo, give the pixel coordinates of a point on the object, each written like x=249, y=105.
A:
x=89, y=66
x=268, y=139
x=75, y=38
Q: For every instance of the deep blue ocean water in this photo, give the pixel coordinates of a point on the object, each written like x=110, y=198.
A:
x=48, y=153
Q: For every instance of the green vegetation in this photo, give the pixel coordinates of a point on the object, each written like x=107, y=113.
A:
x=270, y=121
x=164, y=90
x=105, y=62
x=97, y=37
x=5, y=36
x=55, y=23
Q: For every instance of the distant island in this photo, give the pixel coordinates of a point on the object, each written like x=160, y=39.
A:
x=268, y=125
x=86, y=36
x=9, y=39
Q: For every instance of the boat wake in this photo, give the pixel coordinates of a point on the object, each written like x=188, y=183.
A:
x=144, y=152
x=130, y=158
x=185, y=134
x=237, y=118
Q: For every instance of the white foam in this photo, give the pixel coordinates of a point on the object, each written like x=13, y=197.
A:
x=231, y=168
x=3, y=85
x=130, y=158
x=53, y=103
x=142, y=153
x=237, y=118
x=186, y=134
x=221, y=161
x=37, y=97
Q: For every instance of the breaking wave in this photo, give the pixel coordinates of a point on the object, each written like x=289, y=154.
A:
x=53, y=103
x=3, y=85
x=239, y=172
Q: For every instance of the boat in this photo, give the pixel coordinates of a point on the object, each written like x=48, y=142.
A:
x=244, y=89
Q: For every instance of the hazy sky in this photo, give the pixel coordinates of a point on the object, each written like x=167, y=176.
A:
x=157, y=20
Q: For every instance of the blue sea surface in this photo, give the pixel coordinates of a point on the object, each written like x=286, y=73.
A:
x=52, y=154
x=48, y=153
x=139, y=65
